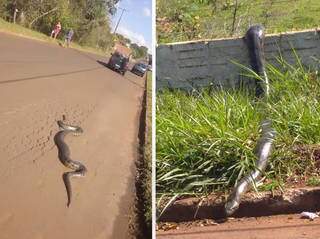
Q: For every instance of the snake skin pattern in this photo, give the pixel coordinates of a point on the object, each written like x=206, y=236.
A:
x=255, y=40
x=64, y=156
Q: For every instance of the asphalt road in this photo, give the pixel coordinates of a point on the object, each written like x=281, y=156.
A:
x=39, y=84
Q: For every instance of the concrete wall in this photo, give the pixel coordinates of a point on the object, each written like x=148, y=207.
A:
x=202, y=63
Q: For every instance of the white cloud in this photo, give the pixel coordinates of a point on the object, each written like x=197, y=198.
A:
x=146, y=12
x=134, y=37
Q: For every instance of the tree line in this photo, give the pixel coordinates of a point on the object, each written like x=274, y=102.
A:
x=90, y=19
x=184, y=20
x=137, y=51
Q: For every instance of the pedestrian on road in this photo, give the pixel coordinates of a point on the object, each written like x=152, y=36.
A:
x=56, y=30
x=69, y=36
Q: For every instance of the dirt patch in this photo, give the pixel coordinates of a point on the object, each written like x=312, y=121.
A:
x=281, y=226
x=252, y=205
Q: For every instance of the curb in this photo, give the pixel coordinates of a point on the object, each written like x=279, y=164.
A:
x=141, y=230
x=253, y=204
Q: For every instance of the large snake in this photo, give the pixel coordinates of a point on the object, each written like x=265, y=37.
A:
x=255, y=41
x=64, y=156
x=262, y=151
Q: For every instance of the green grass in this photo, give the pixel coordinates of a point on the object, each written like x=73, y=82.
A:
x=205, y=140
x=181, y=20
x=313, y=181
x=144, y=167
x=28, y=33
x=148, y=154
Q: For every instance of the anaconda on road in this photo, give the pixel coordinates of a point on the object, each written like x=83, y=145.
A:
x=64, y=156
x=39, y=83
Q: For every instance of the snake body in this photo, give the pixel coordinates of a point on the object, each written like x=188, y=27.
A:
x=255, y=41
x=64, y=156
x=262, y=151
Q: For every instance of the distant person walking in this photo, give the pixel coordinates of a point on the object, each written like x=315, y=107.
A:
x=69, y=36
x=56, y=30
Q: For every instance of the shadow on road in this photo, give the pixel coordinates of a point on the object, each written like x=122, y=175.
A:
x=103, y=63
x=49, y=76
x=86, y=55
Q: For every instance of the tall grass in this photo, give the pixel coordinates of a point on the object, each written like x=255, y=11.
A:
x=28, y=33
x=181, y=20
x=205, y=141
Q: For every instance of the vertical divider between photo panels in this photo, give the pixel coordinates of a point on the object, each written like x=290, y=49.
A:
x=153, y=45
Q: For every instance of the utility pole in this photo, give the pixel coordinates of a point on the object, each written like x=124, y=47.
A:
x=123, y=10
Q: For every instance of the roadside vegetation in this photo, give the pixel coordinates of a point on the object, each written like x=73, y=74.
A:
x=144, y=166
x=182, y=20
x=148, y=156
x=206, y=139
x=28, y=33
x=90, y=21
x=137, y=51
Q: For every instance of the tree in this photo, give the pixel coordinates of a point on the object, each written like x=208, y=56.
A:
x=123, y=39
x=138, y=51
x=111, y=6
x=90, y=19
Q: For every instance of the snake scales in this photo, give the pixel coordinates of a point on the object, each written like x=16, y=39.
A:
x=255, y=42
x=64, y=156
x=254, y=39
x=262, y=151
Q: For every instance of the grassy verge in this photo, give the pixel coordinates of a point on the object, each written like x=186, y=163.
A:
x=148, y=156
x=28, y=33
x=181, y=20
x=205, y=140
x=144, y=166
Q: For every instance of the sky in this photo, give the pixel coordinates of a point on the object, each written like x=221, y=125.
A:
x=136, y=22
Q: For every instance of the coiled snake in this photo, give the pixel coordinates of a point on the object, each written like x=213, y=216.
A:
x=64, y=156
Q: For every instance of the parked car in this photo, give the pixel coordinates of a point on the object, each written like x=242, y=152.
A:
x=139, y=69
x=118, y=62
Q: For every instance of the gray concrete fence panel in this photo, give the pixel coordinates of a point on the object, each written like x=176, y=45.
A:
x=197, y=64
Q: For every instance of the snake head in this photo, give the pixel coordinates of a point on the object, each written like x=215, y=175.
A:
x=230, y=207
x=76, y=130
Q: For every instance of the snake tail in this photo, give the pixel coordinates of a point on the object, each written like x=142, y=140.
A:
x=66, y=180
x=64, y=156
x=262, y=151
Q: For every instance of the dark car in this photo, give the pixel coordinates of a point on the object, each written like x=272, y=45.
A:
x=139, y=69
x=118, y=62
